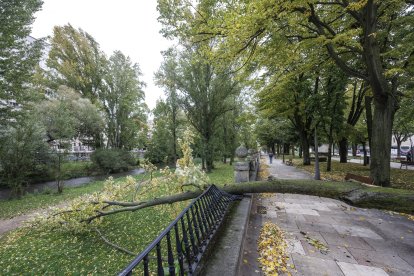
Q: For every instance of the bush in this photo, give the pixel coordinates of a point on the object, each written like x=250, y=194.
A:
x=112, y=160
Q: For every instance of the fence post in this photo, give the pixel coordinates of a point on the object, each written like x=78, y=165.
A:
x=241, y=168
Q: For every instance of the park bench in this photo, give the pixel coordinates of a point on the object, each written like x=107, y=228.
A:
x=406, y=164
x=359, y=178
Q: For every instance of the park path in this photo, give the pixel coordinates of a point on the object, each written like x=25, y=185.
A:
x=7, y=225
x=360, y=242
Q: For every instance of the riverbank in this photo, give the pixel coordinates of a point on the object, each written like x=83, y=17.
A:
x=48, y=187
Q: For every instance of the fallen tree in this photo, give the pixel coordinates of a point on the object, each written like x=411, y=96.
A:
x=352, y=193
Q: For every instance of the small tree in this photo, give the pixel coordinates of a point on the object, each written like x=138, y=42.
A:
x=66, y=116
x=21, y=147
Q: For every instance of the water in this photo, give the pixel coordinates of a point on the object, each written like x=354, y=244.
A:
x=74, y=182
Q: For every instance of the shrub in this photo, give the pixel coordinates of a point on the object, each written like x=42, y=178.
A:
x=112, y=160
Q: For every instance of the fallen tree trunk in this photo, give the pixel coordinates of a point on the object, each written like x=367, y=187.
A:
x=355, y=194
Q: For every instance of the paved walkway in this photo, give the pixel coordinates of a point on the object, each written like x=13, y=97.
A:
x=360, y=242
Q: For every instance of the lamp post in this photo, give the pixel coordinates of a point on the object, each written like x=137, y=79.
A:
x=317, y=171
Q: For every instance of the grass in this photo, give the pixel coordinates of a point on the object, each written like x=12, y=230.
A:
x=39, y=252
x=30, y=202
x=400, y=178
x=70, y=169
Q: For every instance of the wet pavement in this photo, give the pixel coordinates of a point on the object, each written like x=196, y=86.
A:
x=359, y=241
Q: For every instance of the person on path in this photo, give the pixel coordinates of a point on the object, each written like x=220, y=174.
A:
x=270, y=157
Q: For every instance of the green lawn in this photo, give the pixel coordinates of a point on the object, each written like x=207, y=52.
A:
x=39, y=252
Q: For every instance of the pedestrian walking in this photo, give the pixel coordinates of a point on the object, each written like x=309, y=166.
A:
x=270, y=157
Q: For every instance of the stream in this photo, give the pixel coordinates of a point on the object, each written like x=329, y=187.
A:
x=74, y=182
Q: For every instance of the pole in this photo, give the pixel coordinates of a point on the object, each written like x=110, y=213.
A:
x=317, y=171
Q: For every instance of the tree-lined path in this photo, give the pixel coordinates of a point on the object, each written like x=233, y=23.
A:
x=328, y=237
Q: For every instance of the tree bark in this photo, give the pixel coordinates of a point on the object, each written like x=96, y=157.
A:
x=343, y=150
x=305, y=148
x=368, y=115
x=381, y=141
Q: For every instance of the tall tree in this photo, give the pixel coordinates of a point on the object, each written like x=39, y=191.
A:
x=76, y=61
x=122, y=99
x=19, y=55
x=364, y=39
x=162, y=145
x=166, y=77
x=204, y=94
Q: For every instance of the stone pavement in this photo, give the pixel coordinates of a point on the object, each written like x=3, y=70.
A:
x=360, y=242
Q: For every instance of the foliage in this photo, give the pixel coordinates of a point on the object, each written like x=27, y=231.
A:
x=205, y=95
x=112, y=160
x=271, y=38
x=36, y=201
x=122, y=100
x=272, y=248
x=66, y=116
x=76, y=61
x=93, y=256
x=186, y=172
x=22, y=147
x=168, y=121
x=19, y=55
x=168, y=113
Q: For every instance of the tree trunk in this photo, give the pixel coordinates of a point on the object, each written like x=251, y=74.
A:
x=343, y=150
x=365, y=154
x=329, y=163
x=354, y=149
x=368, y=115
x=381, y=141
x=209, y=156
x=399, y=141
x=330, y=142
x=305, y=148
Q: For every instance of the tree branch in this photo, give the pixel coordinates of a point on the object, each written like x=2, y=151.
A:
x=114, y=245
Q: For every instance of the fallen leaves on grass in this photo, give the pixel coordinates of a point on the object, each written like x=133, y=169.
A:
x=272, y=249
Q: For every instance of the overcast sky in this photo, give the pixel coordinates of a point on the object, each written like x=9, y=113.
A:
x=127, y=25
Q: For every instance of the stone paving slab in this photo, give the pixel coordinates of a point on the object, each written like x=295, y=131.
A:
x=360, y=241
x=313, y=266
x=360, y=270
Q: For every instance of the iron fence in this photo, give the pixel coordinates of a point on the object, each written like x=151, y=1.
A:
x=178, y=249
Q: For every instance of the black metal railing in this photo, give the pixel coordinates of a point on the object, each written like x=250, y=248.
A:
x=178, y=249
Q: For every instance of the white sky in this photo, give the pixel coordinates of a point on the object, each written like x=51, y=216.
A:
x=127, y=25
